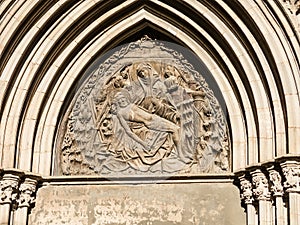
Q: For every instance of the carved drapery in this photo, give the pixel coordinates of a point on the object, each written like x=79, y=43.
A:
x=145, y=110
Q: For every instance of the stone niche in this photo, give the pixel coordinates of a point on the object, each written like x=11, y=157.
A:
x=142, y=204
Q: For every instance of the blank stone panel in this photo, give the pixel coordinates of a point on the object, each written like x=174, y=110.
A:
x=144, y=204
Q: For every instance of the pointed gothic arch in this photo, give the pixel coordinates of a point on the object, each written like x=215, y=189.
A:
x=250, y=47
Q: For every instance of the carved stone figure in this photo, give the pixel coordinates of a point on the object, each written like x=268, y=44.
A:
x=261, y=186
x=8, y=189
x=247, y=194
x=27, y=193
x=275, y=178
x=145, y=110
x=292, y=176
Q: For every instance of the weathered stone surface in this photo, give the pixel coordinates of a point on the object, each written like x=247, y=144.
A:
x=154, y=204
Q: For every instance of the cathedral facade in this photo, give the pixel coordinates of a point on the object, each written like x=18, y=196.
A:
x=150, y=112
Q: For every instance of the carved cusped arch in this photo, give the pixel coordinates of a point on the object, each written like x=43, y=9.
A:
x=144, y=110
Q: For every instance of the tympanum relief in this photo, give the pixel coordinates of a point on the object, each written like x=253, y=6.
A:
x=144, y=110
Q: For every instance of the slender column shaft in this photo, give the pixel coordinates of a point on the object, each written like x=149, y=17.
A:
x=281, y=212
x=263, y=196
x=265, y=212
x=4, y=214
x=252, y=218
x=294, y=208
x=20, y=216
x=291, y=171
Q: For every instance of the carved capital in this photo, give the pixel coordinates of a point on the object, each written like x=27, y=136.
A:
x=246, y=188
x=261, y=185
x=291, y=171
x=27, y=193
x=9, y=188
x=293, y=6
x=276, y=187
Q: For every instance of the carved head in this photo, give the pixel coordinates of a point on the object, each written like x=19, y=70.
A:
x=106, y=127
x=122, y=98
x=169, y=71
x=143, y=70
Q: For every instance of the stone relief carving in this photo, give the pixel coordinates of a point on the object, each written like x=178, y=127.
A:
x=293, y=6
x=145, y=110
x=275, y=178
x=27, y=193
x=246, y=188
x=292, y=176
x=8, y=189
x=261, y=186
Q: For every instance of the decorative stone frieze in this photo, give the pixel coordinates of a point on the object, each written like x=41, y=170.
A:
x=18, y=188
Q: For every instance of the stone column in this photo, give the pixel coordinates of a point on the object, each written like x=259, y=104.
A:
x=291, y=171
x=277, y=192
x=263, y=196
x=247, y=196
x=8, y=193
x=26, y=199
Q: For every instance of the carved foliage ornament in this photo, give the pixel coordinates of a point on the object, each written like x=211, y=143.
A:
x=27, y=193
x=293, y=6
x=145, y=110
x=261, y=186
x=292, y=176
x=247, y=194
x=8, y=189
